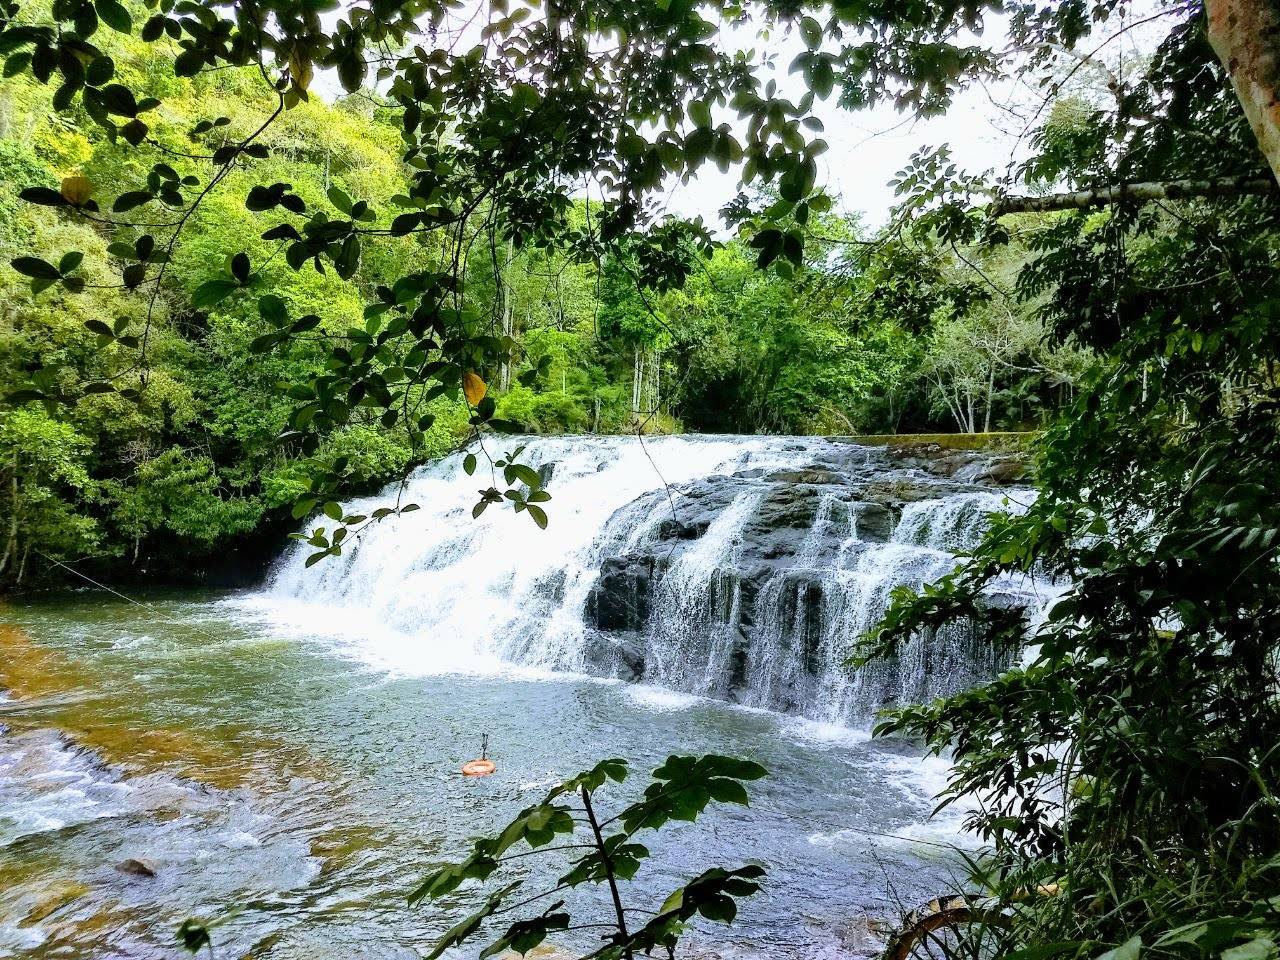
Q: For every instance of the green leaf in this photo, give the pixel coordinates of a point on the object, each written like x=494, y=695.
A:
x=128, y=201
x=1131, y=949
x=100, y=71
x=525, y=474
x=194, y=936
x=339, y=198
x=303, y=507
x=16, y=64
x=811, y=32
x=212, y=292
x=135, y=131
x=461, y=932
x=119, y=100
x=273, y=310
x=44, y=197
x=114, y=15
x=36, y=268
x=523, y=935
x=1259, y=948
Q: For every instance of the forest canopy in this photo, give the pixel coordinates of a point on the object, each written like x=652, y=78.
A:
x=176, y=448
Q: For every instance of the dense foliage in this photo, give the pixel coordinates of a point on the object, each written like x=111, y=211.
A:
x=128, y=458
x=1126, y=773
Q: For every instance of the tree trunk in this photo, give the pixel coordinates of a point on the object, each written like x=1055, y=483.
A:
x=954, y=407
x=991, y=392
x=1245, y=35
x=11, y=542
x=637, y=384
x=655, y=397
x=1143, y=192
x=508, y=317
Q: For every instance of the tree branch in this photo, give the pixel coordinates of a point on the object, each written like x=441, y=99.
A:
x=1135, y=192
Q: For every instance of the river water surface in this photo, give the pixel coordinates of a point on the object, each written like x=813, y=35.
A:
x=285, y=763
x=293, y=793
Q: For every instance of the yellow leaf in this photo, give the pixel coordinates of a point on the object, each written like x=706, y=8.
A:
x=300, y=69
x=77, y=190
x=473, y=388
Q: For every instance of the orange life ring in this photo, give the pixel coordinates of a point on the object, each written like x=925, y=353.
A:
x=478, y=768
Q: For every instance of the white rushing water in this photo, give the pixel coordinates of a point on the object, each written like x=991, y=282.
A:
x=727, y=605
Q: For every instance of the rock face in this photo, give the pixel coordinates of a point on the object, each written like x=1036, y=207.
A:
x=754, y=586
x=745, y=568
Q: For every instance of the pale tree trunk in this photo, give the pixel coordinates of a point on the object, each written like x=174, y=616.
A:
x=11, y=542
x=1245, y=35
x=655, y=397
x=991, y=392
x=508, y=317
x=637, y=384
x=952, y=406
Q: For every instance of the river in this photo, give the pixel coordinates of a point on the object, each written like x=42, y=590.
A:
x=288, y=768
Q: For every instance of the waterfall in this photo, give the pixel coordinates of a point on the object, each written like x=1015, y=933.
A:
x=732, y=567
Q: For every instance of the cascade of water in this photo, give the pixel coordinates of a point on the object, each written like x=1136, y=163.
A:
x=954, y=524
x=698, y=605
x=749, y=577
x=443, y=592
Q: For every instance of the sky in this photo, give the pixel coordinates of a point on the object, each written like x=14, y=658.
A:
x=986, y=127
x=868, y=147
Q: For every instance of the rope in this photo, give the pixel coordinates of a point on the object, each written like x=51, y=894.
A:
x=156, y=615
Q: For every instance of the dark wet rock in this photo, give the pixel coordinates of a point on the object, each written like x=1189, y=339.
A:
x=1002, y=471
x=766, y=595
x=620, y=598
x=618, y=655
x=810, y=475
x=875, y=521
x=677, y=529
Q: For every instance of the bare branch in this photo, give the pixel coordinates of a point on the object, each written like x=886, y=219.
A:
x=1145, y=192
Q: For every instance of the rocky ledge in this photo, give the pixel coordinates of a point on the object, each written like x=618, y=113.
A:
x=755, y=554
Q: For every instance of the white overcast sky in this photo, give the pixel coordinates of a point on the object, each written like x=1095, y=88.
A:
x=867, y=147
x=985, y=127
